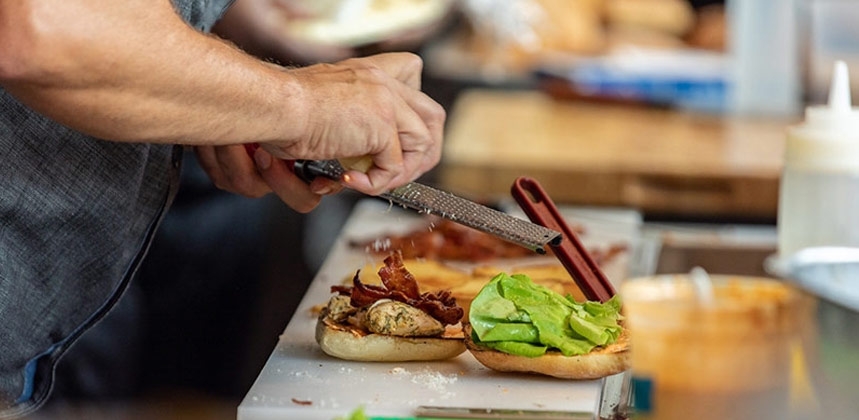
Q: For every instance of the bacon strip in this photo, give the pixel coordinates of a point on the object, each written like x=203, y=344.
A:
x=441, y=239
x=400, y=285
x=395, y=277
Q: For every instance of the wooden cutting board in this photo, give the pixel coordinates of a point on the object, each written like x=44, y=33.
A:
x=654, y=160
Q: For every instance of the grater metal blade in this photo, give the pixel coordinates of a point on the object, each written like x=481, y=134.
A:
x=428, y=200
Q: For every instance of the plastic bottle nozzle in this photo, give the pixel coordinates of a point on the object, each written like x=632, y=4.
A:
x=839, y=91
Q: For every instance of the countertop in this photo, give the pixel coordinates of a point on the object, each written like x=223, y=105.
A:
x=658, y=161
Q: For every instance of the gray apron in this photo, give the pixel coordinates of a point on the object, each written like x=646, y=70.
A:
x=77, y=215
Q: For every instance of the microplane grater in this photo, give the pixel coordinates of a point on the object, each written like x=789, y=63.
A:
x=428, y=200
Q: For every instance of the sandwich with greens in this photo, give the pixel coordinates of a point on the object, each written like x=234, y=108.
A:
x=515, y=325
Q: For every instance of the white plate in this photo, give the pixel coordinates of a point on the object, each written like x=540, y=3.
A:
x=360, y=22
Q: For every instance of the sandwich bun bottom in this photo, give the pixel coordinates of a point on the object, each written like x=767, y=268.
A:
x=343, y=343
x=599, y=363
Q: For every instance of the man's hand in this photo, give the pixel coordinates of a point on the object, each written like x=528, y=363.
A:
x=360, y=107
x=372, y=107
x=166, y=83
x=231, y=169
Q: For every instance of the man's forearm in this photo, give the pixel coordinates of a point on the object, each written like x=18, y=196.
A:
x=133, y=71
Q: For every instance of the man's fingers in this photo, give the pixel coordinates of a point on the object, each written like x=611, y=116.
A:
x=427, y=150
x=420, y=133
x=392, y=166
x=285, y=184
x=405, y=67
x=231, y=169
x=239, y=172
x=410, y=149
x=325, y=186
x=248, y=184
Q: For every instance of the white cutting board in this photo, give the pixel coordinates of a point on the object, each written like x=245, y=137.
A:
x=300, y=382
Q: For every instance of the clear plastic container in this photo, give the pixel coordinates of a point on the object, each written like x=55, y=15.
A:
x=764, y=47
x=819, y=195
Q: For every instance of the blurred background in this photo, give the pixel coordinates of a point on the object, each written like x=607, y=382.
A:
x=674, y=108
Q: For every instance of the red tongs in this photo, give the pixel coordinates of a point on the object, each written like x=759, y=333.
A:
x=537, y=205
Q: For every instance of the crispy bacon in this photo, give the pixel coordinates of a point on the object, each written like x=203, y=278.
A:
x=395, y=277
x=400, y=285
x=442, y=239
x=446, y=240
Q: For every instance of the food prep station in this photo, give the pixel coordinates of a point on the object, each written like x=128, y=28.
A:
x=680, y=168
x=300, y=381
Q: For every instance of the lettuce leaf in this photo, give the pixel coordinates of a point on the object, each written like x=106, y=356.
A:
x=357, y=414
x=517, y=316
x=598, y=322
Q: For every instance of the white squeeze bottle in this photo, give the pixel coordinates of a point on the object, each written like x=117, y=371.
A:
x=819, y=195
